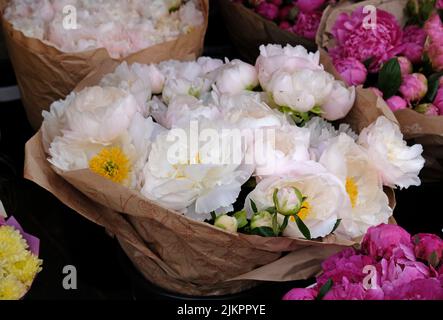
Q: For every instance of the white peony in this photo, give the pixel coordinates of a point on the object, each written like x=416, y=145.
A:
x=339, y=102
x=397, y=163
x=275, y=58
x=325, y=198
x=367, y=205
x=302, y=90
x=235, y=77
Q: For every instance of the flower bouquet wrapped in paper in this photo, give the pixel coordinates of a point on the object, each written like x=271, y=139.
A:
x=19, y=263
x=53, y=44
x=390, y=265
x=214, y=175
x=394, y=48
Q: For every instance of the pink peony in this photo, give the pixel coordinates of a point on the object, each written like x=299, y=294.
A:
x=267, y=10
x=396, y=103
x=405, y=66
x=414, y=87
x=383, y=240
x=353, y=291
x=307, y=24
x=344, y=265
x=309, y=5
x=301, y=294
x=355, y=39
x=434, y=28
x=428, y=247
x=413, y=43
x=420, y=289
x=351, y=70
x=427, y=109
x=438, y=100
x=435, y=54
x=439, y=4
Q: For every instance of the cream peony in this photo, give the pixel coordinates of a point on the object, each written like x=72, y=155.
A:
x=325, y=200
x=367, y=205
x=274, y=58
x=235, y=77
x=339, y=102
x=397, y=163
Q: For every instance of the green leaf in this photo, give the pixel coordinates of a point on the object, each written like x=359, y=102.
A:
x=253, y=206
x=433, y=82
x=284, y=225
x=272, y=210
x=324, y=289
x=302, y=227
x=275, y=198
x=213, y=216
x=263, y=231
x=389, y=78
x=337, y=223
x=275, y=226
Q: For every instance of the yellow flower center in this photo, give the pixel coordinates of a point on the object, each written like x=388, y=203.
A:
x=352, y=190
x=304, y=211
x=111, y=163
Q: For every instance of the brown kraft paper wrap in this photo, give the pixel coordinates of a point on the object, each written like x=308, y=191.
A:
x=45, y=74
x=171, y=250
x=249, y=30
x=416, y=127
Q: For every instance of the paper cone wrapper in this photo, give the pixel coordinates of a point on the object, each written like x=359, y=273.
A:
x=45, y=74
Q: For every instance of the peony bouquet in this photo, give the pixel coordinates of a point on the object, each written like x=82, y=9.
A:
x=390, y=265
x=122, y=27
x=400, y=60
x=301, y=17
x=246, y=148
x=19, y=263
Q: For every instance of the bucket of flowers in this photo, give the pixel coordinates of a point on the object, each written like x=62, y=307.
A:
x=215, y=175
x=54, y=44
x=398, y=55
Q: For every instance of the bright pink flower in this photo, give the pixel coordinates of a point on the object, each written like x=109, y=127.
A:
x=285, y=25
x=420, y=289
x=438, y=100
x=353, y=291
x=428, y=247
x=309, y=5
x=434, y=28
x=381, y=241
x=267, y=10
x=414, y=87
x=351, y=70
x=301, y=294
x=355, y=39
x=396, y=103
x=307, y=24
x=413, y=43
x=405, y=65
x=435, y=54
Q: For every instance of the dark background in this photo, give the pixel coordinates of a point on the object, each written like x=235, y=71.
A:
x=103, y=270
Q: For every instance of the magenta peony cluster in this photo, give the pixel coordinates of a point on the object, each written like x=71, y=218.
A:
x=391, y=265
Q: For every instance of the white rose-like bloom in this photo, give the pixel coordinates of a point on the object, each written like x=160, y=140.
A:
x=302, y=90
x=100, y=114
x=367, y=204
x=339, y=102
x=274, y=58
x=194, y=179
x=209, y=64
x=397, y=163
x=180, y=86
x=235, y=77
x=325, y=198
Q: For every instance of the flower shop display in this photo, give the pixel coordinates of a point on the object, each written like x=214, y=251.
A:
x=19, y=263
x=253, y=23
x=390, y=265
x=54, y=44
x=398, y=59
x=209, y=171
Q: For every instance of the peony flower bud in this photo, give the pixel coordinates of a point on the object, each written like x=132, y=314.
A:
x=339, y=102
x=427, y=109
x=288, y=200
x=405, y=65
x=352, y=71
x=261, y=219
x=438, y=101
x=309, y=5
x=396, y=103
x=428, y=247
x=226, y=222
x=414, y=87
x=435, y=54
x=267, y=10
x=236, y=76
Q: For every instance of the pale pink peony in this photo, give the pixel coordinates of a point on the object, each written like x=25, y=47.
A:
x=355, y=39
x=413, y=43
x=351, y=70
x=414, y=87
x=381, y=241
x=428, y=247
x=438, y=100
x=309, y=5
x=307, y=24
x=301, y=294
x=396, y=103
